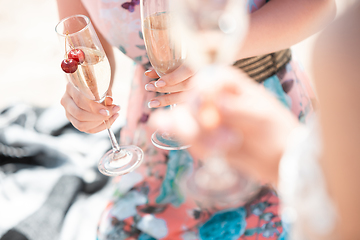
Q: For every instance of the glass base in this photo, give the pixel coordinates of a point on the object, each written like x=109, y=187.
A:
x=219, y=190
x=116, y=163
x=167, y=141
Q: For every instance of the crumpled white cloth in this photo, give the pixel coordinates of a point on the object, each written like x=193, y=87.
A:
x=24, y=192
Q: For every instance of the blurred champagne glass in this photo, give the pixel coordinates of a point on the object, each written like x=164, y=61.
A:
x=213, y=31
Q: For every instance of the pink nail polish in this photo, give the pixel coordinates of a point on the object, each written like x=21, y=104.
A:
x=149, y=87
x=116, y=109
x=153, y=103
x=160, y=83
x=104, y=112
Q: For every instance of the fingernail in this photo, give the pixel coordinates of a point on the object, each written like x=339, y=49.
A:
x=148, y=71
x=116, y=109
x=153, y=103
x=149, y=87
x=160, y=83
x=104, y=112
x=115, y=116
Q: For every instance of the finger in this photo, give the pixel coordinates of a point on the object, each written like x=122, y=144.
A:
x=180, y=87
x=83, y=126
x=108, y=101
x=180, y=74
x=104, y=126
x=80, y=100
x=82, y=115
x=89, y=105
x=91, y=127
x=151, y=73
x=166, y=100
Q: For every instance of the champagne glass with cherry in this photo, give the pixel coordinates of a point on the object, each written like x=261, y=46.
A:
x=86, y=66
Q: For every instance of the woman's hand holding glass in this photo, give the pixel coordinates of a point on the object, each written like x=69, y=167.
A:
x=87, y=115
x=238, y=117
x=174, y=83
x=86, y=101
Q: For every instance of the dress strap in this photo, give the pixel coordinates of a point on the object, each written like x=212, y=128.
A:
x=264, y=66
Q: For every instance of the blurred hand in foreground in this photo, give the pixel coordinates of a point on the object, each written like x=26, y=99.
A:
x=231, y=112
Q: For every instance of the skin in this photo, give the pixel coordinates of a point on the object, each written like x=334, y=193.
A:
x=336, y=72
x=246, y=110
x=238, y=116
x=84, y=114
x=278, y=25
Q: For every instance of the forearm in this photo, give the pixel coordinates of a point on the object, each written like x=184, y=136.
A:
x=68, y=8
x=336, y=75
x=280, y=24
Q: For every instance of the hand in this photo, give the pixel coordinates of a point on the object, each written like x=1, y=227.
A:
x=174, y=83
x=87, y=115
x=237, y=116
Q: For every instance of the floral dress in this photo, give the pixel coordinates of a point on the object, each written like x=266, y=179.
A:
x=147, y=203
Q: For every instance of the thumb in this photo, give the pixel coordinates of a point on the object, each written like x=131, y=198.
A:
x=151, y=73
x=108, y=101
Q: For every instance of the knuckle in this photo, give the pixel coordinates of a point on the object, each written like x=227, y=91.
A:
x=92, y=131
x=68, y=88
x=187, y=84
x=81, y=126
x=96, y=129
x=79, y=114
x=163, y=90
x=77, y=124
x=77, y=101
x=68, y=117
x=63, y=101
x=167, y=100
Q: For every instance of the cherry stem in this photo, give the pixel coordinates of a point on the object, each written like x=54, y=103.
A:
x=71, y=43
x=65, y=46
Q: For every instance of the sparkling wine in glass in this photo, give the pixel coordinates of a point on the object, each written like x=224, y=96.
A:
x=88, y=69
x=213, y=31
x=166, y=53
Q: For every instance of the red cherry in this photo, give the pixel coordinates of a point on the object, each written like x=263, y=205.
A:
x=77, y=54
x=69, y=65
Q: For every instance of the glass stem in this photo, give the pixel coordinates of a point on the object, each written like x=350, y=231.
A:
x=114, y=143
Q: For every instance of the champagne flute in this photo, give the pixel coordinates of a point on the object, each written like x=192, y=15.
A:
x=88, y=69
x=213, y=31
x=165, y=51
